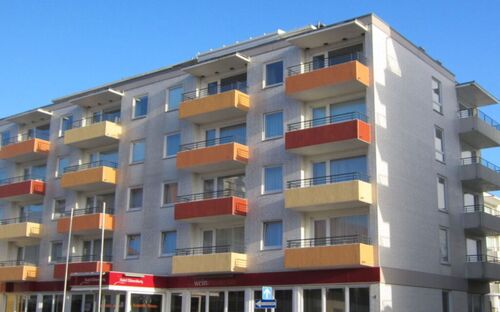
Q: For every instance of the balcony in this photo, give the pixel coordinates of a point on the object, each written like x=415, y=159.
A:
x=22, y=230
x=92, y=176
x=209, y=260
x=477, y=129
x=479, y=175
x=90, y=220
x=214, y=104
x=18, y=271
x=22, y=188
x=331, y=134
x=483, y=267
x=212, y=155
x=95, y=131
x=329, y=192
x=26, y=147
x=82, y=264
x=225, y=205
x=333, y=77
x=351, y=251
x=481, y=221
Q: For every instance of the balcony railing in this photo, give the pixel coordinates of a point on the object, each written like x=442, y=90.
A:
x=210, y=195
x=87, y=211
x=212, y=142
x=329, y=241
x=26, y=177
x=327, y=120
x=472, y=112
x=201, y=93
x=209, y=250
x=37, y=134
x=481, y=208
x=482, y=258
x=34, y=219
x=325, y=62
x=85, y=258
x=11, y=263
x=94, y=164
x=95, y=119
x=480, y=161
x=344, y=177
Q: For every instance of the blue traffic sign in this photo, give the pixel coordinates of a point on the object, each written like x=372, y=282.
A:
x=268, y=304
x=267, y=293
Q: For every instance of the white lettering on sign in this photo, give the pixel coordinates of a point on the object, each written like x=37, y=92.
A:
x=200, y=283
x=128, y=280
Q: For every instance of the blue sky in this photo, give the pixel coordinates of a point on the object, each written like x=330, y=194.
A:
x=54, y=48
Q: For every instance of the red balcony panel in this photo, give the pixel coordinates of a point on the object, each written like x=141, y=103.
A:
x=81, y=267
x=329, y=138
x=204, y=210
x=24, y=190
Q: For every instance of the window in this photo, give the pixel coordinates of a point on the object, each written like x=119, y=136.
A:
x=168, y=242
x=5, y=138
x=335, y=299
x=174, y=98
x=140, y=108
x=439, y=144
x=436, y=96
x=62, y=162
x=176, y=302
x=273, y=125
x=445, y=297
x=273, y=234
x=441, y=193
x=55, y=251
x=66, y=124
x=145, y=303
x=443, y=245
x=169, y=193
x=135, y=198
x=273, y=179
x=274, y=74
x=59, y=208
x=172, y=144
x=138, y=151
x=284, y=297
x=133, y=249
x=359, y=299
x=312, y=300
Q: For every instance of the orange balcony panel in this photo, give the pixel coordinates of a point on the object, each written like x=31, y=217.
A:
x=90, y=179
x=220, y=157
x=87, y=223
x=335, y=137
x=81, y=267
x=18, y=273
x=216, y=107
x=25, y=151
x=337, y=80
x=212, y=209
x=23, y=191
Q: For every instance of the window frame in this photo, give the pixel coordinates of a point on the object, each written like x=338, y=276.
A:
x=436, y=151
x=134, y=105
x=127, y=240
x=263, y=189
x=445, y=194
x=61, y=122
x=264, y=78
x=58, y=174
x=162, y=241
x=53, y=217
x=447, y=231
x=52, y=243
x=129, y=197
x=264, y=128
x=131, y=158
x=263, y=239
x=167, y=97
x=440, y=95
x=163, y=204
x=165, y=144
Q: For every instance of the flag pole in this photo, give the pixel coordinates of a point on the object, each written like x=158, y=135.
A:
x=101, y=256
x=66, y=271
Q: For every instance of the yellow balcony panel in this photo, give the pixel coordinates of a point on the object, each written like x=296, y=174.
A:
x=322, y=257
x=98, y=134
x=227, y=262
x=90, y=179
x=339, y=195
x=18, y=273
x=216, y=107
x=23, y=233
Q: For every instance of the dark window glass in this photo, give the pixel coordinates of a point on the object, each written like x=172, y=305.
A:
x=47, y=303
x=198, y=302
x=318, y=62
x=238, y=82
x=31, y=304
x=274, y=73
x=335, y=300
x=212, y=88
x=359, y=300
x=446, y=301
x=76, y=303
x=176, y=303
x=284, y=299
x=236, y=301
x=146, y=303
x=216, y=301
x=236, y=133
x=312, y=300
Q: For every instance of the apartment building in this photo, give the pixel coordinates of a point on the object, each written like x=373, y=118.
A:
x=339, y=164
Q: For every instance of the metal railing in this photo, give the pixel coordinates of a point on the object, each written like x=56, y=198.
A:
x=210, y=195
x=336, y=178
x=327, y=121
x=209, y=250
x=482, y=258
x=37, y=134
x=95, y=119
x=480, y=161
x=212, y=142
x=87, y=211
x=10, y=263
x=473, y=112
x=18, y=179
x=94, y=164
x=329, y=241
x=84, y=258
x=325, y=62
x=201, y=93
x=21, y=219
x=481, y=208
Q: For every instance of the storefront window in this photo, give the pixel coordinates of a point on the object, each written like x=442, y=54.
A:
x=312, y=300
x=176, y=303
x=236, y=301
x=76, y=303
x=216, y=301
x=198, y=302
x=284, y=297
x=47, y=303
x=113, y=302
x=146, y=303
x=359, y=300
x=335, y=300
